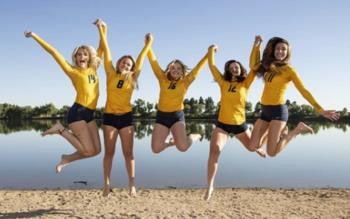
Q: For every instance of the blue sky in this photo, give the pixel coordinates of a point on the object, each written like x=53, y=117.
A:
x=318, y=32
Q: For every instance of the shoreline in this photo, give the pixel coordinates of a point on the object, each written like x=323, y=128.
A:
x=176, y=203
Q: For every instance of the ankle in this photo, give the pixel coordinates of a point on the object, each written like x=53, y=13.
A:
x=60, y=131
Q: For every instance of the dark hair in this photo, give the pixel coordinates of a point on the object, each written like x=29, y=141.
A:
x=227, y=74
x=269, y=62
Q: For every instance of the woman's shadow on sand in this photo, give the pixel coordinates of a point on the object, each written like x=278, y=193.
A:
x=37, y=213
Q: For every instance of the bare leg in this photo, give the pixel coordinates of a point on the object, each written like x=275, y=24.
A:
x=181, y=140
x=127, y=139
x=244, y=138
x=278, y=143
x=82, y=140
x=217, y=143
x=93, y=129
x=159, y=134
x=258, y=134
x=110, y=138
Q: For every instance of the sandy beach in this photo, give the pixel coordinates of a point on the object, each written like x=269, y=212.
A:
x=176, y=203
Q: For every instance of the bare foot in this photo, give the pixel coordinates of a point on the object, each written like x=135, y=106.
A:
x=169, y=141
x=208, y=194
x=106, y=191
x=132, y=191
x=55, y=129
x=261, y=152
x=64, y=162
x=303, y=128
x=195, y=137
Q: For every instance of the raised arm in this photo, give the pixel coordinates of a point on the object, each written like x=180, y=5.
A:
x=143, y=53
x=67, y=68
x=155, y=65
x=213, y=69
x=195, y=71
x=102, y=28
x=254, y=60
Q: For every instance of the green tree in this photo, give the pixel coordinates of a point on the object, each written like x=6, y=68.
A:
x=209, y=106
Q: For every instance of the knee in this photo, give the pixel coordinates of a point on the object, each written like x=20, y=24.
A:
x=89, y=153
x=271, y=153
x=97, y=150
x=109, y=153
x=128, y=154
x=155, y=149
x=251, y=148
x=182, y=147
x=215, y=152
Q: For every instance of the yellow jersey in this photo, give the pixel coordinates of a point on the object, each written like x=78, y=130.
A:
x=276, y=84
x=233, y=93
x=172, y=93
x=85, y=81
x=119, y=89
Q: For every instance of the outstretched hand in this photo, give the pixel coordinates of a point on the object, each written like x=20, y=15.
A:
x=214, y=47
x=28, y=34
x=99, y=22
x=258, y=40
x=148, y=38
x=331, y=115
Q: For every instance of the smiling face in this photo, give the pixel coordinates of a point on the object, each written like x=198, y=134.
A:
x=234, y=69
x=176, y=71
x=125, y=65
x=82, y=58
x=281, y=51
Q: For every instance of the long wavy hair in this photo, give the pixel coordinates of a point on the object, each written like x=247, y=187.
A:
x=269, y=62
x=130, y=76
x=94, y=60
x=227, y=74
x=184, y=68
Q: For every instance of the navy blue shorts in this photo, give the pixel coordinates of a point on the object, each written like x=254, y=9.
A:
x=78, y=112
x=118, y=121
x=278, y=112
x=168, y=119
x=234, y=129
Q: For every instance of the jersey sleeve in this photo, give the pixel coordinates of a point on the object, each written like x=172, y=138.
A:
x=100, y=46
x=250, y=78
x=155, y=65
x=196, y=70
x=141, y=58
x=107, y=60
x=254, y=61
x=212, y=66
x=66, y=67
x=304, y=92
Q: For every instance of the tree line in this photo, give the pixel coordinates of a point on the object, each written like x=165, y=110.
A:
x=202, y=108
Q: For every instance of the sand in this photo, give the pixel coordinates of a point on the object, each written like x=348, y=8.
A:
x=177, y=203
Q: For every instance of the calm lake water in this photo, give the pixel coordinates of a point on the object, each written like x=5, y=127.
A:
x=27, y=160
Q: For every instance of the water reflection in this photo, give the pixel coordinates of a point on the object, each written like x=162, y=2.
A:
x=28, y=160
x=143, y=128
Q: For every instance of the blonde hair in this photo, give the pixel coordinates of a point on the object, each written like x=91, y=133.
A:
x=184, y=67
x=94, y=60
x=130, y=76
